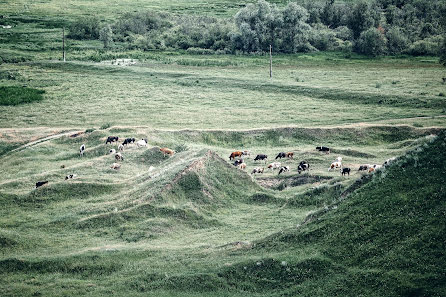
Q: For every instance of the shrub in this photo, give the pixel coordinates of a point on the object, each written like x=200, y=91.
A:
x=85, y=28
x=427, y=47
x=397, y=41
x=12, y=95
x=371, y=42
x=105, y=126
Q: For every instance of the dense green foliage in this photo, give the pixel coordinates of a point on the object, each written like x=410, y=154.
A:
x=374, y=28
x=12, y=95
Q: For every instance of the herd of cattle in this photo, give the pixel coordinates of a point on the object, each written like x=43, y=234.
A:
x=236, y=157
x=118, y=153
x=303, y=165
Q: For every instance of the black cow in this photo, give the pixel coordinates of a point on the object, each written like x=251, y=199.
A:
x=237, y=162
x=128, y=141
x=261, y=157
x=111, y=139
x=363, y=167
x=303, y=166
x=281, y=155
x=323, y=149
x=41, y=183
x=345, y=171
x=284, y=169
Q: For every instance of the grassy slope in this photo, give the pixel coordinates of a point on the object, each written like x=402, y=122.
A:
x=386, y=239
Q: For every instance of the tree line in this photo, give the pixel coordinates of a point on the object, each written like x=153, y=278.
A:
x=374, y=27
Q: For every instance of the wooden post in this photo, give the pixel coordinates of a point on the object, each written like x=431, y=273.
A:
x=63, y=43
x=270, y=61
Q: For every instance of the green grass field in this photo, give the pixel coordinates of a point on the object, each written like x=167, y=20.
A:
x=193, y=224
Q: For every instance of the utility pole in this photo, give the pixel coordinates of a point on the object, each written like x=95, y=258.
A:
x=270, y=61
x=63, y=43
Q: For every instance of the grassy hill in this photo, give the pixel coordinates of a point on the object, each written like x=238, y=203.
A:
x=194, y=225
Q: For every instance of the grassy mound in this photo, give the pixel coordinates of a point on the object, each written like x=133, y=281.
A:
x=12, y=95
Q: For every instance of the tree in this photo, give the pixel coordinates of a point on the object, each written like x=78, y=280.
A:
x=295, y=31
x=371, y=42
x=106, y=35
x=361, y=18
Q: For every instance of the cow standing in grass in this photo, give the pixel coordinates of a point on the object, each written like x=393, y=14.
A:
x=82, y=150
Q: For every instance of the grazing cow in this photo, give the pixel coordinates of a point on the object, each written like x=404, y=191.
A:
x=246, y=153
x=323, y=149
x=115, y=166
x=290, y=155
x=374, y=168
x=280, y=155
x=345, y=171
x=237, y=162
x=336, y=164
x=82, y=150
x=112, y=151
x=128, y=141
x=364, y=167
x=388, y=161
x=261, y=157
x=41, y=183
x=284, y=169
x=303, y=166
x=119, y=157
x=242, y=166
x=70, y=176
x=111, y=139
x=167, y=151
x=274, y=165
x=142, y=142
x=233, y=155
x=258, y=170
x=120, y=147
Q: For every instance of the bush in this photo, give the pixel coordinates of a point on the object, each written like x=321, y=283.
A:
x=371, y=42
x=427, y=47
x=323, y=39
x=199, y=51
x=12, y=95
x=85, y=28
x=343, y=33
x=397, y=41
x=105, y=126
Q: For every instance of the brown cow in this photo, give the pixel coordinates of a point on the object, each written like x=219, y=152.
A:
x=235, y=154
x=167, y=151
x=290, y=155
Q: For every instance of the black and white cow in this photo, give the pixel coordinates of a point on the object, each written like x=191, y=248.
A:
x=111, y=139
x=303, y=166
x=323, y=149
x=82, y=150
x=281, y=155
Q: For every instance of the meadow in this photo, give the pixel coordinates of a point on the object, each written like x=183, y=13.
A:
x=193, y=224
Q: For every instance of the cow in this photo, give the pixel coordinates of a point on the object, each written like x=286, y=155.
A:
x=258, y=170
x=237, y=162
x=345, y=171
x=261, y=157
x=274, y=165
x=82, y=150
x=303, y=166
x=323, y=149
x=112, y=151
x=374, y=168
x=388, y=161
x=246, y=153
x=336, y=164
x=167, y=151
x=120, y=147
x=128, y=141
x=119, y=157
x=290, y=155
x=111, y=139
x=364, y=167
x=242, y=166
x=141, y=143
x=115, y=166
x=235, y=154
x=70, y=176
x=41, y=183
x=284, y=169
x=280, y=155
